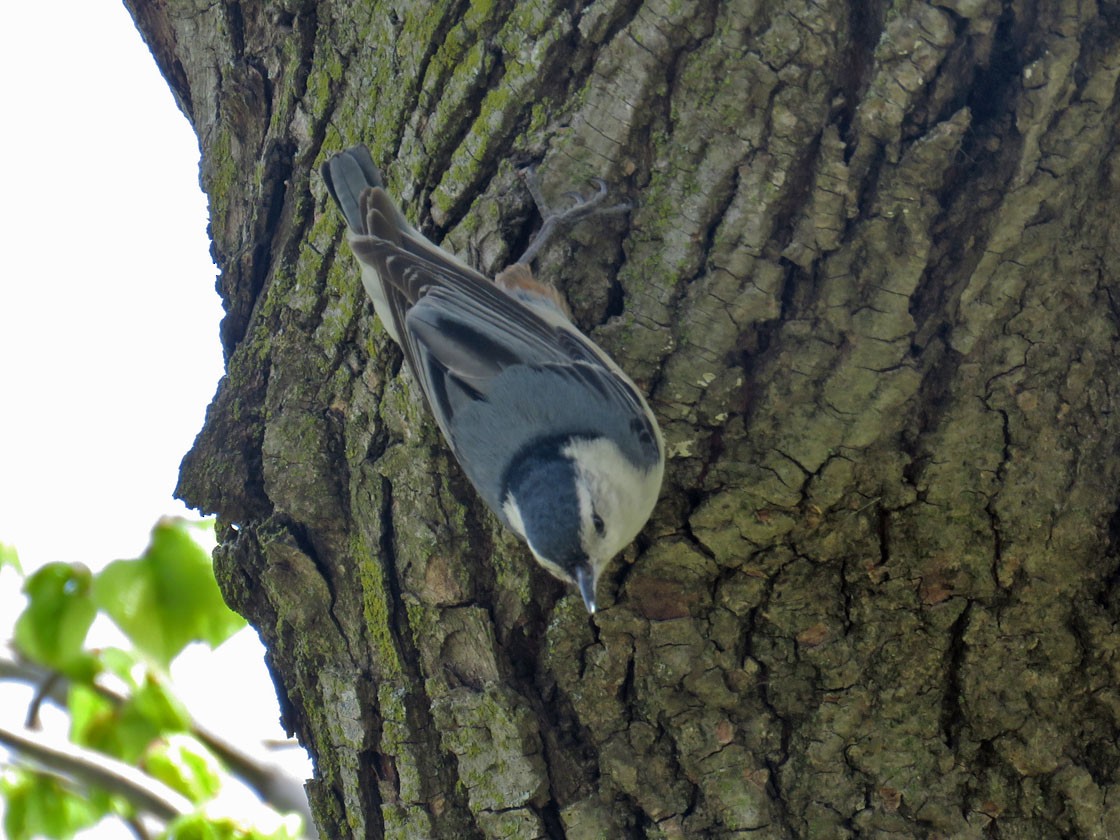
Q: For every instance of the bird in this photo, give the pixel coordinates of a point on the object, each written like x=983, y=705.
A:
x=557, y=440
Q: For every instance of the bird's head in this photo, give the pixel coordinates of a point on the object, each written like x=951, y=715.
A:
x=577, y=502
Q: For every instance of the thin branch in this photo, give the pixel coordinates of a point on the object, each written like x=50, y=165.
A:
x=271, y=782
x=42, y=692
x=99, y=770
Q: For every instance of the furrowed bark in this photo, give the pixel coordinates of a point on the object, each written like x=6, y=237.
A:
x=869, y=283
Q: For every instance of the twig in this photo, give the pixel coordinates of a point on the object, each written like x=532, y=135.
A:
x=99, y=770
x=272, y=783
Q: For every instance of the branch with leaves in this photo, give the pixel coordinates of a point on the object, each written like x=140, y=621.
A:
x=135, y=750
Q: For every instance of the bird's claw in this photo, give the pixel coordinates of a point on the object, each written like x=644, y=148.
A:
x=582, y=207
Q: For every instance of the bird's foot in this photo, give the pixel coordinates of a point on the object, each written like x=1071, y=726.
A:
x=583, y=207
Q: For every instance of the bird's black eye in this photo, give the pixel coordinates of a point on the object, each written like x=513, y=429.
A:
x=600, y=525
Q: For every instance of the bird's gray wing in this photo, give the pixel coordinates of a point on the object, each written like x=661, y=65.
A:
x=460, y=333
x=470, y=306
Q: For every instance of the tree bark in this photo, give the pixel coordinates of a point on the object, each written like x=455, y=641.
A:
x=869, y=282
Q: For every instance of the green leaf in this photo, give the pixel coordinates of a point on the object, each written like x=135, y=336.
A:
x=199, y=826
x=10, y=557
x=182, y=763
x=109, y=727
x=52, y=628
x=120, y=663
x=37, y=805
x=126, y=730
x=167, y=598
x=91, y=715
x=154, y=701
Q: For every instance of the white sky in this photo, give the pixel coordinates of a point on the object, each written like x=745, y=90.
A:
x=109, y=346
x=109, y=350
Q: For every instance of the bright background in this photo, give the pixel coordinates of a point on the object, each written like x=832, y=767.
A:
x=109, y=350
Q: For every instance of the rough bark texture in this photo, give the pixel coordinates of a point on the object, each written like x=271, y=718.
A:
x=870, y=285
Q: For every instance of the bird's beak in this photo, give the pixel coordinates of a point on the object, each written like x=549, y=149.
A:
x=585, y=579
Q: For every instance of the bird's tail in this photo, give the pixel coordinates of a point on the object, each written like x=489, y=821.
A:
x=348, y=174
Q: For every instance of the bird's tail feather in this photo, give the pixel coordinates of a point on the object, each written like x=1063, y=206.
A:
x=348, y=174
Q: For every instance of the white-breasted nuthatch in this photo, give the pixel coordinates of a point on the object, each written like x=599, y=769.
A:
x=556, y=439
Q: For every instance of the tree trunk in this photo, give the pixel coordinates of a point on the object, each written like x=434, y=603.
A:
x=869, y=282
